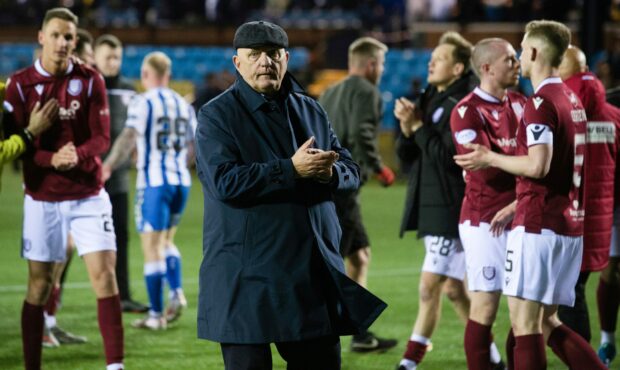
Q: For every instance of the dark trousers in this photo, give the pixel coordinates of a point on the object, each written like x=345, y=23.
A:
x=315, y=354
x=577, y=317
x=120, y=221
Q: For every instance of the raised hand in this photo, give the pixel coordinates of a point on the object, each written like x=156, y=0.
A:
x=405, y=111
x=42, y=118
x=314, y=163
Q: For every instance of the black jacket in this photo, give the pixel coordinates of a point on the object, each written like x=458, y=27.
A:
x=271, y=269
x=436, y=186
x=120, y=91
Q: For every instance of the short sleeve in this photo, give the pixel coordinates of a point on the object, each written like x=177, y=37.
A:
x=138, y=113
x=467, y=127
x=540, y=120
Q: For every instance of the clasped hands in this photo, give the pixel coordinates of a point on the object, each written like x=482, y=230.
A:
x=314, y=163
x=65, y=158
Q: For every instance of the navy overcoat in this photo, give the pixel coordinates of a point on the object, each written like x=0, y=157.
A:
x=271, y=270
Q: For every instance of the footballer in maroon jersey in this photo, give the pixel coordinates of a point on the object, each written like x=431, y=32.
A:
x=488, y=116
x=64, y=191
x=544, y=247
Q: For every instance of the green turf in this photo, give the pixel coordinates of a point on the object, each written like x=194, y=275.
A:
x=394, y=277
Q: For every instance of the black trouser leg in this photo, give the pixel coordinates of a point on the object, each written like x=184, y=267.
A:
x=321, y=353
x=577, y=317
x=246, y=356
x=120, y=220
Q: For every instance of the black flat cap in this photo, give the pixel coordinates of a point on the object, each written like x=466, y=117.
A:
x=260, y=33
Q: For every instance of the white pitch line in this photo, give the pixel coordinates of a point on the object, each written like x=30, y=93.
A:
x=193, y=281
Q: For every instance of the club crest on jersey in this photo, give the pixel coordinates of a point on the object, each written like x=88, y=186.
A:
x=75, y=87
x=573, y=99
x=39, y=89
x=465, y=136
x=537, y=102
x=488, y=272
x=462, y=109
x=437, y=114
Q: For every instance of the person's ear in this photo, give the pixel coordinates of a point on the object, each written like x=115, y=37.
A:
x=534, y=55
x=236, y=61
x=458, y=69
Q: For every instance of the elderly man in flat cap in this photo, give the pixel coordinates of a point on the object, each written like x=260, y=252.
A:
x=269, y=164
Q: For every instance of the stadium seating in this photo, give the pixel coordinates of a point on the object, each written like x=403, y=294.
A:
x=191, y=63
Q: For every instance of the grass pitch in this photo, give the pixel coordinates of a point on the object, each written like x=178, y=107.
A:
x=394, y=276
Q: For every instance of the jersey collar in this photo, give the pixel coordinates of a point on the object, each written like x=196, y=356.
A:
x=486, y=96
x=39, y=67
x=547, y=81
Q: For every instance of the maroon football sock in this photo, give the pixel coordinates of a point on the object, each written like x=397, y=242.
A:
x=111, y=327
x=608, y=300
x=52, y=301
x=573, y=350
x=415, y=351
x=510, y=347
x=529, y=352
x=477, y=343
x=32, y=335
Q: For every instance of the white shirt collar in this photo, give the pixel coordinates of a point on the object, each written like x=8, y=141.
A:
x=39, y=68
x=485, y=95
x=548, y=80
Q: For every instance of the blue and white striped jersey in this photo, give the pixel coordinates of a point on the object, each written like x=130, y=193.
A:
x=165, y=124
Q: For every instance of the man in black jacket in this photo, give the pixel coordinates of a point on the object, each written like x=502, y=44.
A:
x=108, y=57
x=436, y=188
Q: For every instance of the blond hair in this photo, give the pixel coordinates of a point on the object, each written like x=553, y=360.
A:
x=365, y=48
x=554, y=35
x=159, y=62
x=462, y=48
x=60, y=13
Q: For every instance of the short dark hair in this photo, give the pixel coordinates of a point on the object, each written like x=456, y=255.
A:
x=462, y=48
x=110, y=40
x=60, y=13
x=554, y=34
x=83, y=37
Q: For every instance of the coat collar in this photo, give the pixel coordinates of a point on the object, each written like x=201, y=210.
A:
x=255, y=100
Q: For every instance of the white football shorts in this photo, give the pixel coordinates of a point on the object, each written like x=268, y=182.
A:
x=542, y=267
x=444, y=256
x=47, y=224
x=484, y=257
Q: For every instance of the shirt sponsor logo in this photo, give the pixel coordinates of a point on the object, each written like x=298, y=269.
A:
x=462, y=110
x=465, y=136
x=578, y=115
x=437, y=114
x=75, y=87
x=537, y=102
x=507, y=142
x=601, y=132
x=71, y=112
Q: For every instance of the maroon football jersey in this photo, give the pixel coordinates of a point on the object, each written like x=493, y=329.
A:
x=553, y=115
x=483, y=119
x=83, y=119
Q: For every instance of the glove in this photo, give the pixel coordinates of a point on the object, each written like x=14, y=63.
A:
x=386, y=176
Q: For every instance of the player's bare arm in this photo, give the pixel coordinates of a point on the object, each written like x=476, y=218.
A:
x=534, y=165
x=121, y=150
x=502, y=218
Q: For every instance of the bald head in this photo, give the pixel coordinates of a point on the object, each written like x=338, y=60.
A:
x=574, y=62
x=486, y=51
